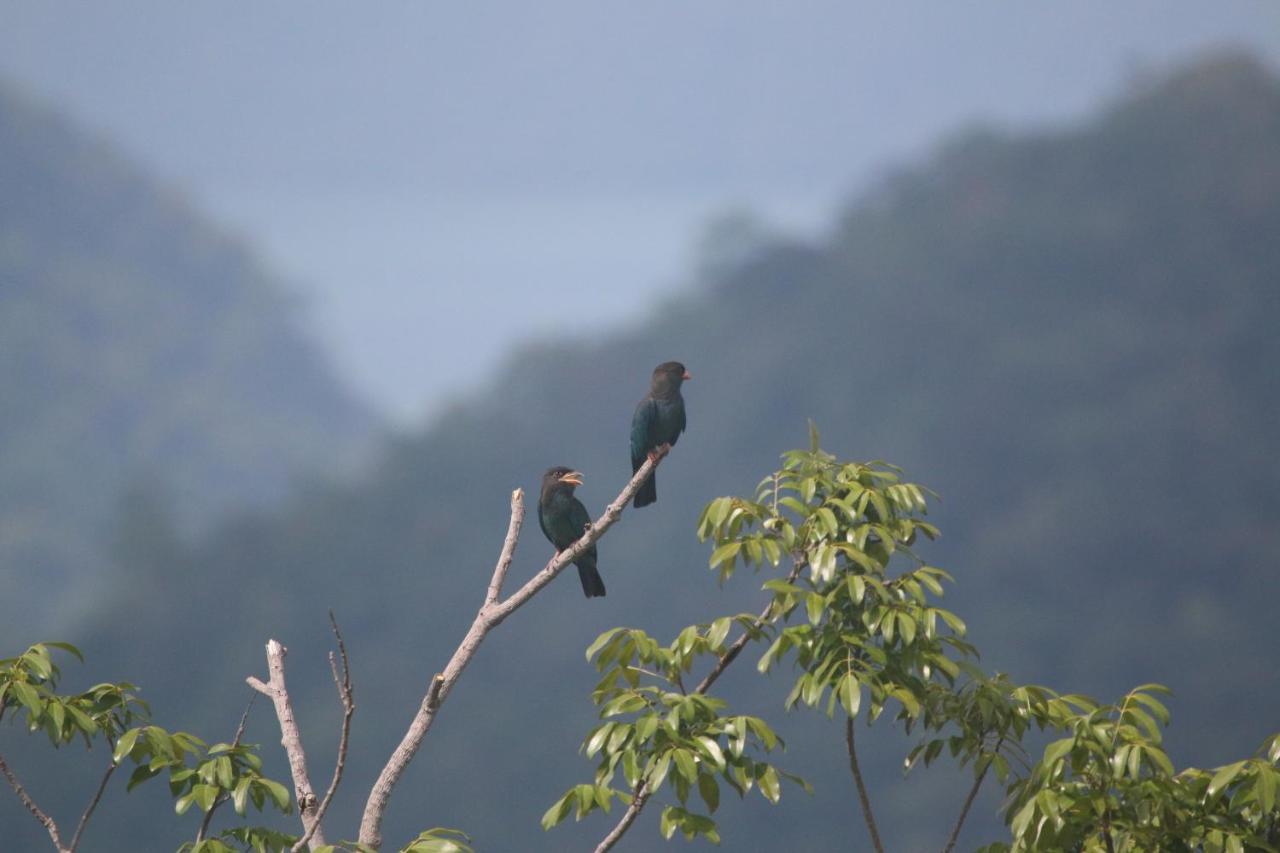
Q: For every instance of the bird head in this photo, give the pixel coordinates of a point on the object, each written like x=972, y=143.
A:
x=560, y=477
x=668, y=376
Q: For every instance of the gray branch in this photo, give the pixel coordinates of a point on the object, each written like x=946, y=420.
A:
x=276, y=691
x=343, y=683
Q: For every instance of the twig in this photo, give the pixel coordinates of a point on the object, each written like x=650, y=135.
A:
x=289, y=738
x=93, y=804
x=968, y=801
x=862, y=787
x=492, y=613
x=208, y=816
x=44, y=819
x=345, y=694
x=642, y=792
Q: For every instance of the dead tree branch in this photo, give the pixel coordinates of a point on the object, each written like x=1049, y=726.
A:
x=343, y=683
x=276, y=691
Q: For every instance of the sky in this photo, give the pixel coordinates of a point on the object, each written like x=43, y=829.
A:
x=444, y=181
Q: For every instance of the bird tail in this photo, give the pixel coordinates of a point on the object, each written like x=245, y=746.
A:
x=592, y=583
x=648, y=491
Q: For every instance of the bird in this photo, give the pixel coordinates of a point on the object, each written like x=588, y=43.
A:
x=658, y=420
x=563, y=519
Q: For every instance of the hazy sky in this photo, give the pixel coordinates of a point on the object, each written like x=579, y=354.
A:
x=444, y=180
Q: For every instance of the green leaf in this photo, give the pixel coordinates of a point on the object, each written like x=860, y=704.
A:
x=600, y=642
x=557, y=812
x=125, y=745
x=668, y=823
x=709, y=790
x=726, y=552
x=1264, y=790
x=240, y=794
x=850, y=693
x=907, y=628
x=718, y=630
x=1223, y=778
x=279, y=793
x=66, y=647
x=204, y=795
x=686, y=765
x=815, y=604
x=769, y=785
x=598, y=738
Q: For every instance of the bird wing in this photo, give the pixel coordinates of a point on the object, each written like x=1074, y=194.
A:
x=578, y=518
x=543, y=524
x=642, y=424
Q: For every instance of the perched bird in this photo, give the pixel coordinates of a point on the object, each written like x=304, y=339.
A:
x=659, y=420
x=563, y=519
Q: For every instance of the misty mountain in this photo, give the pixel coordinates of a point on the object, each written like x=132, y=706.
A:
x=1069, y=334
x=141, y=349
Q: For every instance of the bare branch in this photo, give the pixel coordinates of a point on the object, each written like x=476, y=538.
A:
x=345, y=694
x=289, y=738
x=968, y=801
x=508, y=547
x=642, y=792
x=208, y=816
x=44, y=819
x=492, y=613
x=93, y=804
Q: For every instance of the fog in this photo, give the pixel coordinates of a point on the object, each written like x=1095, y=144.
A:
x=440, y=181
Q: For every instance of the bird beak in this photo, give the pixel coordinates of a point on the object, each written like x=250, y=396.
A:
x=687, y=376
x=573, y=478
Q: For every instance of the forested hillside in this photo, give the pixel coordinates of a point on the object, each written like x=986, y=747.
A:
x=141, y=350
x=1069, y=334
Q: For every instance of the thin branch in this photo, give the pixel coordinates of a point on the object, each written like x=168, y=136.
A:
x=638, y=800
x=508, y=547
x=492, y=613
x=345, y=694
x=44, y=819
x=968, y=801
x=93, y=804
x=862, y=787
x=289, y=738
x=208, y=816
x=642, y=792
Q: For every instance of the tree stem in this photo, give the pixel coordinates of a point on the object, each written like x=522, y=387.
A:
x=862, y=787
x=968, y=802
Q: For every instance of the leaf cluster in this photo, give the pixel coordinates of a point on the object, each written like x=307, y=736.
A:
x=656, y=731
x=1108, y=784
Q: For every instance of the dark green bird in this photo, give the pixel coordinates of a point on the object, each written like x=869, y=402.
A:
x=563, y=519
x=659, y=420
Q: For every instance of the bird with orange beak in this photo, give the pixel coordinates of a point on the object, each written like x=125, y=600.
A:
x=563, y=519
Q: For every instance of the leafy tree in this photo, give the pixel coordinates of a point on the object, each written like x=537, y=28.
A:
x=863, y=639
